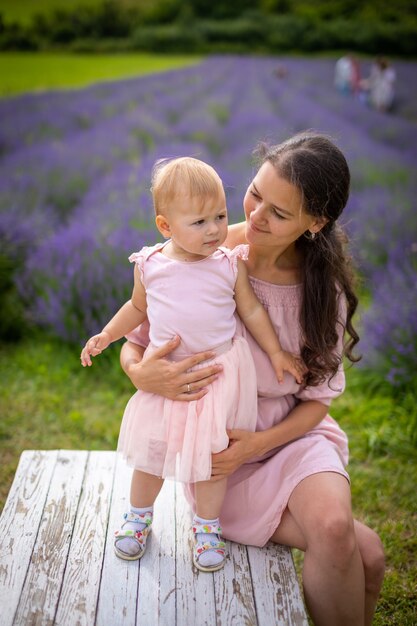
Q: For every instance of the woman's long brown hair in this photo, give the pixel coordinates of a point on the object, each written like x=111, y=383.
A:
x=317, y=167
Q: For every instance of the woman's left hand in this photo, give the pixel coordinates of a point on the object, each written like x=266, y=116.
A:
x=242, y=446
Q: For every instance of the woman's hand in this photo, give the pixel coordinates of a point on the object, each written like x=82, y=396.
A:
x=243, y=445
x=171, y=379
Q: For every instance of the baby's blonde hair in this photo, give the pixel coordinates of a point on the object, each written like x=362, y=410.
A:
x=183, y=176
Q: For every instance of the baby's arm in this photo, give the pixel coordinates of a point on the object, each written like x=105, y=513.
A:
x=257, y=321
x=127, y=318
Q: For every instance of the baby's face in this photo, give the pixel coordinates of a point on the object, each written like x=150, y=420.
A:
x=197, y=226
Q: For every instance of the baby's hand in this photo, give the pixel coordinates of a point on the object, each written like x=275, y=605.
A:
x=285, y=361
x=94, y=346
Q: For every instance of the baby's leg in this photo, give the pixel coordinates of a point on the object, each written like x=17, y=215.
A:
x=130, y=541
x=209, y=553
x=209, y=496
x=144, y=489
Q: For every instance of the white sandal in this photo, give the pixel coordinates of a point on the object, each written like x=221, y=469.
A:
x=200, y=547
x=138, y=536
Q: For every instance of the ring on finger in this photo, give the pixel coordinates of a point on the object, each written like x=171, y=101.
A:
x=188, y=388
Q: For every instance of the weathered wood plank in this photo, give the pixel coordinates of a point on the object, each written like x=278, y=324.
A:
x=277, y=593
x=119, y=581
x=19, y=525
x=195, y=590
x=57, y=564
x=156, y=596
x=40, y=594
x=235, y=603
x=83, y=572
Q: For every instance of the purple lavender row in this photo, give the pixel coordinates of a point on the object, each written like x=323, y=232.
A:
x=75, y=168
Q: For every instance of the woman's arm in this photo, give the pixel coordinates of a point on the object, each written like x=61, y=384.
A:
x=245, y=445
x=171, y=379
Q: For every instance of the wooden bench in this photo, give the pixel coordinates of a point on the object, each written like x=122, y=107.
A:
x=57, y=564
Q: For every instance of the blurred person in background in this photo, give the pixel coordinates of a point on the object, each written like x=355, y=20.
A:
x=347, y=75
x=380, y=85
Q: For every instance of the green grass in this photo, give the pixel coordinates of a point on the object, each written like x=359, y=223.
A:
x=48, y=401
x=383, y=471
x=22, y=72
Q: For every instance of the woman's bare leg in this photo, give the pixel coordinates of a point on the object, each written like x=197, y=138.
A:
x=144, y=489
x=370, y=547
x=373, y=559
x=319, y=521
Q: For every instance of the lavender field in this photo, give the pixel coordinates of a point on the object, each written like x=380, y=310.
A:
x=75, y=175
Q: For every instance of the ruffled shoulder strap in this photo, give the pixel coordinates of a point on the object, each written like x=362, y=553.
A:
x=239, y=252
x=143, y=255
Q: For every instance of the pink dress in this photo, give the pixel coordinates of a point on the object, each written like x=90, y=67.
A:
x=194, y=300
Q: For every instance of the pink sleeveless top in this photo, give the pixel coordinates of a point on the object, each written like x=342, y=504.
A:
x=191, y=299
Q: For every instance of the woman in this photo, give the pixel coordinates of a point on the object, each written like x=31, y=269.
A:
x=287, y=482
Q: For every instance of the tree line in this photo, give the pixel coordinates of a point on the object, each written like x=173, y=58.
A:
x=202, y=26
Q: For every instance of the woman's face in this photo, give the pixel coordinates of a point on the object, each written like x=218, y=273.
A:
x=273, y=210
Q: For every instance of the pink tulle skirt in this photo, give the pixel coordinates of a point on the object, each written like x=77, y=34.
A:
x=174, y=439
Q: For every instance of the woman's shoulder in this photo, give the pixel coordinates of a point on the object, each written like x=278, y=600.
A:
x=235, y=235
